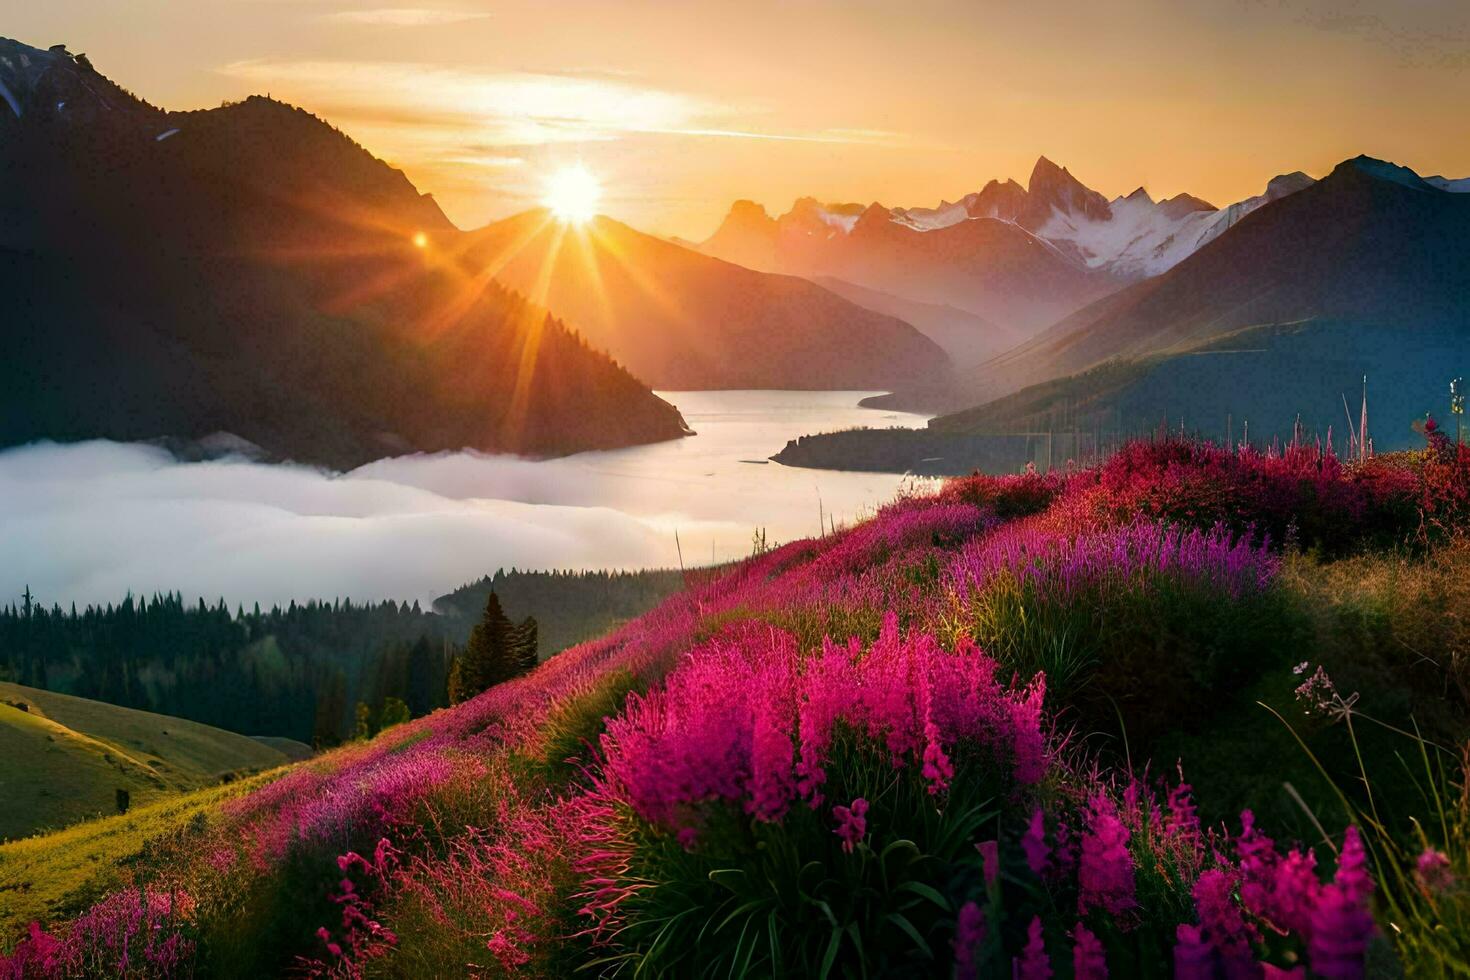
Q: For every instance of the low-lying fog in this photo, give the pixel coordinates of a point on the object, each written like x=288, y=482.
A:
x=89, y=522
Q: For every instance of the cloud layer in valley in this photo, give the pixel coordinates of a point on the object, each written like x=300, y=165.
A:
x=89, y=522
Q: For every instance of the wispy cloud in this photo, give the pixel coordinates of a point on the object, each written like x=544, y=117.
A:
x=404, y=16
x=512, y=108
x=506, y=108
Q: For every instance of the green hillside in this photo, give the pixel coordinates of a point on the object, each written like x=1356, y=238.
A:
x=60, y=874
x=67, y=757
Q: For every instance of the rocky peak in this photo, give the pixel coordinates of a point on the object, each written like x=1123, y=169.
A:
x=1054, y=188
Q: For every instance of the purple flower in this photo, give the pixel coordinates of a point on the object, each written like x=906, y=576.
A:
x=1342, y=926
x=1089, y=961
x=1341, y=929
x=852, y=823
x=1034, y=843
x=1221, y=921
x=1194, y=959
x=989, y=860
x=1433, y=871
x=1033, y=963
x=1105, y=875
x=969, y=933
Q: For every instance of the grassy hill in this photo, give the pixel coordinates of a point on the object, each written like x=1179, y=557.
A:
x=67, y=757
x=60, y=874
x=1192, y=711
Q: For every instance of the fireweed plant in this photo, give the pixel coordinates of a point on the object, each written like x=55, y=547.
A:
x=919, y=746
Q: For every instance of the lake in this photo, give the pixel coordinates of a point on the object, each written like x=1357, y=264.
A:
x=89, y=522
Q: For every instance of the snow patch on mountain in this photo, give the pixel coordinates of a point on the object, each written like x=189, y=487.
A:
x=834, y=219
x=1138, y=239
x=929, y=219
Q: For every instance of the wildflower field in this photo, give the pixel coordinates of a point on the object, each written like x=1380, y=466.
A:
x=1192, y=712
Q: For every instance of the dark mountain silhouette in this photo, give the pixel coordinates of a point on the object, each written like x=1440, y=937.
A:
x=681, y=319
x=250, y=269
x=1365, y=271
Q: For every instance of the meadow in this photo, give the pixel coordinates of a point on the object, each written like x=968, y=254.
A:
x=1194, y=711
x=67, y=758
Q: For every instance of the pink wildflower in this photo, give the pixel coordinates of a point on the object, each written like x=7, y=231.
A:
x=989, y=860
x=1105, y=877
x=1194, y=959
x=1433, y=871
x=1034, y=843
x=1033, y=964
x=1221, y=920
x=1341, y=923
x=969, y=933
x=852, y=823
x=1089, y=961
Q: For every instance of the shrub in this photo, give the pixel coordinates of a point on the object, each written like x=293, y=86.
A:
x=1142, y=620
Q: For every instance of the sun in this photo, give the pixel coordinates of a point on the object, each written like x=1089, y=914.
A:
x=572, y=194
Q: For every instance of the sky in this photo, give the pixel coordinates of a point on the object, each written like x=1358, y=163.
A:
x=682, y=106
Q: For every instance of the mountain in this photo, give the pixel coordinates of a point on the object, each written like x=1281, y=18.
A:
x=1363, y=272
x=1018, y=257
x=66, y=758
x=989, y=266
x=249, y=269
x=965, y=337
x=681, y=319
x=1136, y=237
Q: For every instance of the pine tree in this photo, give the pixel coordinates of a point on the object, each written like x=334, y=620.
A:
x=526, y=655
x=498, y=650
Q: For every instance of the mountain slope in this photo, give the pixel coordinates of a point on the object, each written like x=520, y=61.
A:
x=965, y=337
x=1369, y=263
x=66, y=757
x=681, y=319
x=1021, y=257
x=252, y=270
x=988, y=266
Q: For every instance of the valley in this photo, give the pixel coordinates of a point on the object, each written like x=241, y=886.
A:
x=700, y=490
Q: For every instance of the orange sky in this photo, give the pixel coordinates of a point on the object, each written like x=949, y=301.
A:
x=684, y=105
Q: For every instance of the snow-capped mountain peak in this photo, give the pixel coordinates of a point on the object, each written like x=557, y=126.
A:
x=1132, y=236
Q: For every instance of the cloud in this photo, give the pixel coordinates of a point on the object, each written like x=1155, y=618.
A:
x=504, y=108
x=92, y=521
x=404, y=17
x=89, y=522
x=511, y=108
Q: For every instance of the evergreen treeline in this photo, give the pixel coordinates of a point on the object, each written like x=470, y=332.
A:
x=297, y=672
x=498, y=650
x=569, y=607
x=300, y=671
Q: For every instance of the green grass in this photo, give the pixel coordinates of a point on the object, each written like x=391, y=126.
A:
x=66, y=758
x=58, y=875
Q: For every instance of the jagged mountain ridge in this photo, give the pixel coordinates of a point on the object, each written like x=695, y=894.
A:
x=988, y=266
x=1128, y=238
x=1362, y=272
